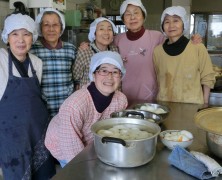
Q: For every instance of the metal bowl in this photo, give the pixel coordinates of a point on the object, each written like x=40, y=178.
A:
x=138, y=114
x=210, y=121
x=155, y=106
x=214, y=143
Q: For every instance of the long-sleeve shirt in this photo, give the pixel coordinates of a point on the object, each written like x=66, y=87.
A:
x=57, y=79
x=69, y=131
x=139, y=82
x=181, y=77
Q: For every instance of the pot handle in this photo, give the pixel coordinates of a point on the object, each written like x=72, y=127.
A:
x=113, y=140
x=135, y=113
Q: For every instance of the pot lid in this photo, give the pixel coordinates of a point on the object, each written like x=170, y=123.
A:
x=210, y=120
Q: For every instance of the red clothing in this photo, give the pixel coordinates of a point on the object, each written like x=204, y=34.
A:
x=69, y=131
x=139, y=83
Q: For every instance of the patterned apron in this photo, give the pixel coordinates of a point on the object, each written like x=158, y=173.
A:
x=23, y=122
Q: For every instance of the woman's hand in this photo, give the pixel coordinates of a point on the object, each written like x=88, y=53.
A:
x=84, y=46
x=196, y=39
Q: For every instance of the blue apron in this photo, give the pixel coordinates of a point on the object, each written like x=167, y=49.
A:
x=23, y=123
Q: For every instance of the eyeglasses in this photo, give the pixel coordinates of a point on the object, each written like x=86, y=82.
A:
x=104, y=72
x=53, y=26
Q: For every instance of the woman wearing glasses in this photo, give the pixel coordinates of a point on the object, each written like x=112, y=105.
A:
x=101, y=36
x=58, y=58
x=69, y=131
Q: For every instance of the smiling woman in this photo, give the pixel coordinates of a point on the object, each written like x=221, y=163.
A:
x=84, y=107
x=184, y=70
x=24, y=116
x=101, y=36
x=57, y=81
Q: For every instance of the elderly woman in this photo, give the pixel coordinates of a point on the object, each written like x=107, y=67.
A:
x=184, y=71
x=136, y=48
x=69, y=131
x=101, y=35
x=58, y=58
x=23, y=115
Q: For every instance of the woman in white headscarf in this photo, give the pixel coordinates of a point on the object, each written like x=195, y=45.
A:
x=23, y=114
x=69, y=131
x=136, y=48
x=101, y=34
x=184, y=70
x=57, y=56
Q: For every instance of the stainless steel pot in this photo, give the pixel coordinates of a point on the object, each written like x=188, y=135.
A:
x=138, y=114
x=155, y=106
x=214, y=143
x=125, y=153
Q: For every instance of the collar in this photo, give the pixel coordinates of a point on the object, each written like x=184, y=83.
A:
x=48, y=46
x=100, y=101
x=135, y=36
x=95, y=48
x=22, y=67
x=177, y=47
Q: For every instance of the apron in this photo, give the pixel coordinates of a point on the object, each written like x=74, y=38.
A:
x=23, y=123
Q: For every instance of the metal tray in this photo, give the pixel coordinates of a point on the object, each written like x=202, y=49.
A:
x=210, y=120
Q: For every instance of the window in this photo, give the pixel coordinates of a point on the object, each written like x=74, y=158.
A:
x=209, y=26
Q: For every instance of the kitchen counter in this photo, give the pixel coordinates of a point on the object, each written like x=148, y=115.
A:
x=86, y=165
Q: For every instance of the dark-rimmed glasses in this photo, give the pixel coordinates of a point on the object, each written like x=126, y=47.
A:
x=104, y=72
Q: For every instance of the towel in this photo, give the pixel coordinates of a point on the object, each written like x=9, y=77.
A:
x=185, y=161
x=213, y=167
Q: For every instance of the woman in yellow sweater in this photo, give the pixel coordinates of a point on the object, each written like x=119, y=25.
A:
x=184, y=70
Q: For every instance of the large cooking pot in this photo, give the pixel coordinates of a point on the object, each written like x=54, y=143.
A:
x=138, y=114
x=125, y=153
x=210, y=120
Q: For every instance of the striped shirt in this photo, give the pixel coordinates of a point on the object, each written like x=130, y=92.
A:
x=57, y=80
x=69, y=131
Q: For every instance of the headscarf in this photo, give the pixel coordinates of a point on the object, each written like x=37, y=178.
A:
x=40, y=15
x=133, y=2
x=103, y=57
x=19, y=21
x=179, y=11
x=93, y=25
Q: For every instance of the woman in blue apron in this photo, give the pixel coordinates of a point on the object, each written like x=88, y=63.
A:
x=23, y=115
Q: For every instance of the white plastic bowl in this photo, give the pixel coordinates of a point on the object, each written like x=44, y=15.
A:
x=172, y=143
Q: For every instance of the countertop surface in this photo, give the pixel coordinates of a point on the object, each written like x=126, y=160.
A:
x=86, y=165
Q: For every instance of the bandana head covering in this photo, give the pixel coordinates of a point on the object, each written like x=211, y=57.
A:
x=19, y=21
x=93, y=25
x=108, y=57
x=133, y=2
x=179, y=11
x=40, y=15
